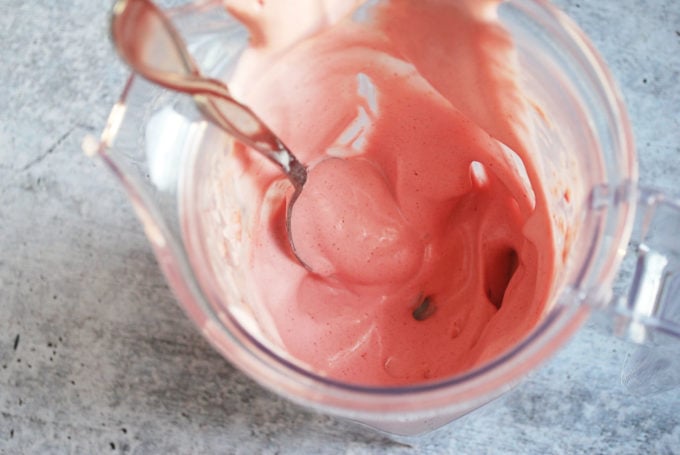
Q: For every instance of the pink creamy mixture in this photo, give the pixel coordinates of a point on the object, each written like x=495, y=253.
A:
x=425, y=219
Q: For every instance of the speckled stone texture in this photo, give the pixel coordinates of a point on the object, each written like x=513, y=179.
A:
x=96, y=357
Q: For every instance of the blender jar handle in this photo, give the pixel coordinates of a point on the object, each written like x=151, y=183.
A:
x=649, y=313
x=652, y=304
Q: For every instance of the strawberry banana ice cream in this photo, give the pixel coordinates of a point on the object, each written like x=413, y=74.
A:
x=424, y=223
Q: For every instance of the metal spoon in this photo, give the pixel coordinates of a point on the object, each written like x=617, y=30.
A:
x=148, y=42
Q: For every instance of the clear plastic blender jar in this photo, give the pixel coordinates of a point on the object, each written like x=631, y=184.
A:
x=163, y=152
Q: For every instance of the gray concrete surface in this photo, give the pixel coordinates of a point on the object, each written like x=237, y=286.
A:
x=96, y=357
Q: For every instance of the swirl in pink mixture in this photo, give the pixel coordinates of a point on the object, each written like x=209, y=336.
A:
x=424, y=218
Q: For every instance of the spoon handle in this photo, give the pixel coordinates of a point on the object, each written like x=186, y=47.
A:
x=215, y=102
x=147, y=40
